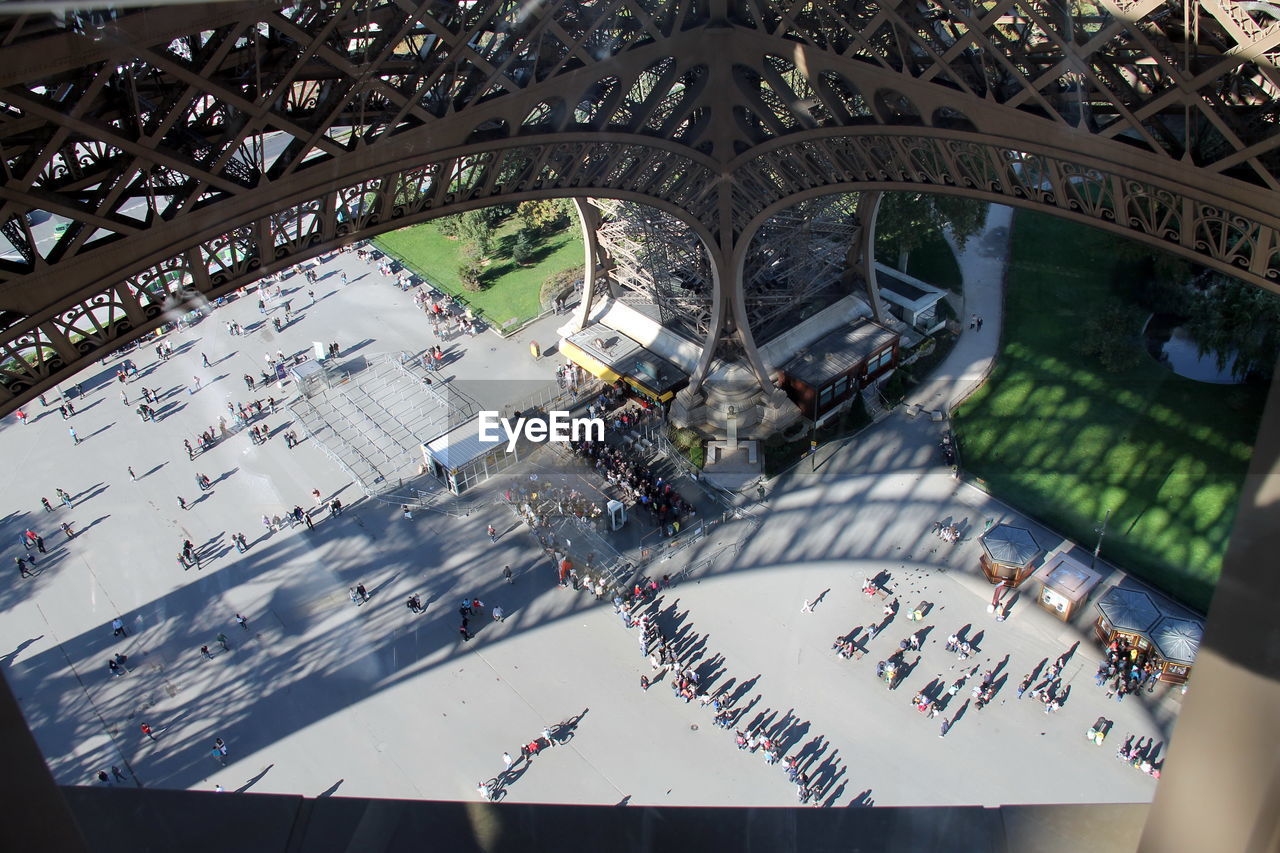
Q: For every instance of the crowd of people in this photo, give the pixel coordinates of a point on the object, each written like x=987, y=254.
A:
x=1127, y=669
x=640, y=486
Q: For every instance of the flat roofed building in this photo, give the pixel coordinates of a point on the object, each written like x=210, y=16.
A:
x=838, y=365
x=610, y=355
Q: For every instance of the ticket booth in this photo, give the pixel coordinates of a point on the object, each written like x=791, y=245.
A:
x=1065, y=585
x=1008, y=554
x=463, y=458
x=1128, y=613
x=1176, y=642
x=1164, y=632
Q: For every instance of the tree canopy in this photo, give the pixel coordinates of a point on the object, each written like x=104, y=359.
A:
x=906, y=221
x=1231, y=318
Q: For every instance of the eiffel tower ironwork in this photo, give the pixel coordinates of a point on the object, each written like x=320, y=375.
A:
x=156, y=157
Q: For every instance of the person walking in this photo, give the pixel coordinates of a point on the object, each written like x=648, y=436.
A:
x=146, y=730
x=499, y=614
x=306, y=518
x=66, y=528
x=506, y=574
x=204, y=359
x=75, y=439
x=222, y=640
x=315, y=493
x=132, y=476
x=48, y=507
x=808, y=606
x=204, y=651
x=103, y=778
x=507, y=760
x=117, y=628
x=242, y=622
x=40, y=544
x=360, y=591
x=115, y=771
x=181, y=502
x=493, y=533
x=65, y=498
x=114, y=668
x=404, y=508
x=463, y=630
x=22, y=565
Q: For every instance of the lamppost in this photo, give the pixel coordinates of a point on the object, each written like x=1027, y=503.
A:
x=1101, y=530
x=813, y=436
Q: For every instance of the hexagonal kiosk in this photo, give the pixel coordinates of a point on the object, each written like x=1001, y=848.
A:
x=1008, y=554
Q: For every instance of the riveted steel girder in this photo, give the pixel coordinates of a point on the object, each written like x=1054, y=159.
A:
x=158, y=156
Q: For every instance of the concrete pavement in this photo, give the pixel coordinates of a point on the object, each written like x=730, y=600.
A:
x=320, y=696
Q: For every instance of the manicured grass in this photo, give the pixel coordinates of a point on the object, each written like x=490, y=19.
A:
x=1057, y=437
x=510, y=294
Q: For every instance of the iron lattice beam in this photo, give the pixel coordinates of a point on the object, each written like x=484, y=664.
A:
x=161, y=156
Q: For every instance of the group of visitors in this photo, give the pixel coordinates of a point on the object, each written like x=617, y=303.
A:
x=623, y=469
x=949, y=533
x=1127, y=669
x=638, y=608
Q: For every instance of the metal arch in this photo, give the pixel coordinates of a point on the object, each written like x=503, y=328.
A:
x=1271, y=283
x=1166, y=113
x=46, y=344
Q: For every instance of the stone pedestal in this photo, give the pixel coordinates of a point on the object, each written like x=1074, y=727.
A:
x=733, y=388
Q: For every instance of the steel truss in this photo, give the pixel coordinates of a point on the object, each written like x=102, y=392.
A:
x=157, y=157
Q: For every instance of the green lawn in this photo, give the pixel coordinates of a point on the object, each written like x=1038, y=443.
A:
x=510, y=294
x=1057, y=437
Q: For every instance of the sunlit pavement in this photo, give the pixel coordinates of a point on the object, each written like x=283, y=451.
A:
x=319, y=696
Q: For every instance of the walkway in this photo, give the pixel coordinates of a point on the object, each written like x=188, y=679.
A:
x=982, y=263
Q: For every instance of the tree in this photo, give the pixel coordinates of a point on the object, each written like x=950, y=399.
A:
x=474, y=227
x=1231, y=318
x=469, y=273
x=1159, y=281
x=542, y=214
x=448, y=226
x=1112, y=333
x=522, y=248
x=906, y=221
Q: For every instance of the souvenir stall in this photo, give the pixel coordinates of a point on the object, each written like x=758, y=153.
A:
x=1065, y=584
x=1008, y=554
x=1150, y=629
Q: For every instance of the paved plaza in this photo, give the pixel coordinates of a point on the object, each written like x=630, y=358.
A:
x=317, y=696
